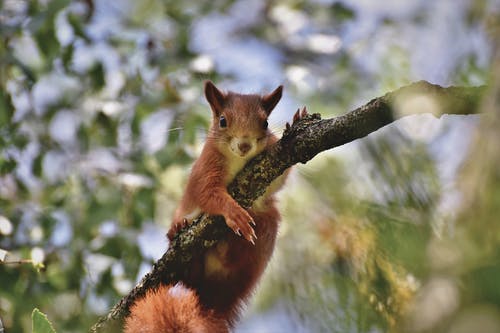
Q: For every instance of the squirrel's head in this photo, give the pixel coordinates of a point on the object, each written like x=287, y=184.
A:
x=239, y=122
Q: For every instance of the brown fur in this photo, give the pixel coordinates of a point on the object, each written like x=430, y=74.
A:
x=226, y=275
x=233, y=267
x=170, y=309
x=218, y=164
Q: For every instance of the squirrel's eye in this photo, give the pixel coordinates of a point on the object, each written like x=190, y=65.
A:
x=265, y=125
x=222, y=122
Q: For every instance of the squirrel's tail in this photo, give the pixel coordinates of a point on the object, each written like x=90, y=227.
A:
x=172, y=309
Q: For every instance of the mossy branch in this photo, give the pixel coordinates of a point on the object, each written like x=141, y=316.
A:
x=300, y=143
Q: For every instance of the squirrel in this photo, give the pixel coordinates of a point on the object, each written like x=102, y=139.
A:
x=221, y=280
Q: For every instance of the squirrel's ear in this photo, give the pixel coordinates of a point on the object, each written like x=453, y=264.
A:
x=269, y=101
x=214, y=97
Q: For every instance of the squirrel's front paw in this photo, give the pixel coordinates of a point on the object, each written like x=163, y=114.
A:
x=176, y=227
x=298, y=116
x=239, y=221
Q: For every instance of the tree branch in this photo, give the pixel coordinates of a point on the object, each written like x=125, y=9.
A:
x=300, y=143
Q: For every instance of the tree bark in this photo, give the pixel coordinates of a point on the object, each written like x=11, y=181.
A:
x=300, y=143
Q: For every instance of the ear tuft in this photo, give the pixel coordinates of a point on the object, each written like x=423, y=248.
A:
x=269, y=101
x=215, y=97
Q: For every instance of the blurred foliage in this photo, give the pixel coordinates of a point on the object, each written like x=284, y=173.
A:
x=101, y=115
x=368, y=253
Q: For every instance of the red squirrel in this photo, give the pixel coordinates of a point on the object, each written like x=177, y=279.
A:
x=223, y=279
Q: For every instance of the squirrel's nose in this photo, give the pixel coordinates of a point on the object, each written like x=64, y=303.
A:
x=244, y=147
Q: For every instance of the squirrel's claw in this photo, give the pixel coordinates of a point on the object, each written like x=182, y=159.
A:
x=241, y=223
x=298, y=115
x=176, y=227
x=303, y=112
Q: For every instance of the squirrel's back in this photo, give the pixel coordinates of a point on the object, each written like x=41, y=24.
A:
x=172, y=309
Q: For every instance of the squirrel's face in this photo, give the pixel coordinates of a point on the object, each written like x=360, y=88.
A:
x=239, y=124
x=241, y=128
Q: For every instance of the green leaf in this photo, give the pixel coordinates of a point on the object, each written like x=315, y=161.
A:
x=67, y=56
x=6, y=108
x=37, y=165
x=40, y=322
x=44, y=30
x=6, y=165
x=97, y=76
x=78, y=26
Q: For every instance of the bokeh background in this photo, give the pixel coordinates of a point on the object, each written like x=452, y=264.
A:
x=102, y=114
